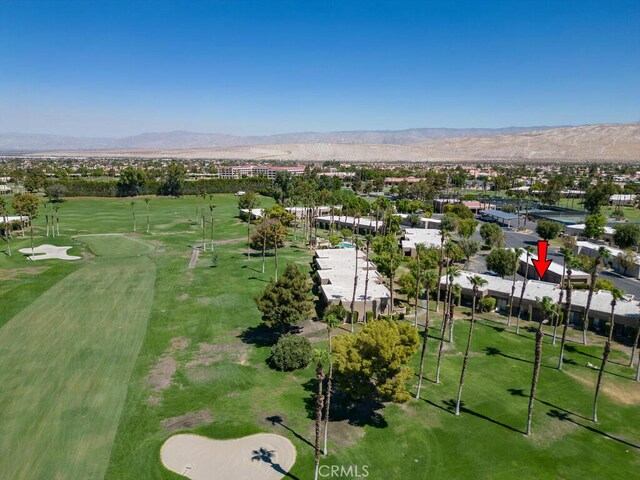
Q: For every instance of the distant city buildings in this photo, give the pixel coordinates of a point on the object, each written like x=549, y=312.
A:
x=267, y=171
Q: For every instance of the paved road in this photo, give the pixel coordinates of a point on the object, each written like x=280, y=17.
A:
x=520, y=240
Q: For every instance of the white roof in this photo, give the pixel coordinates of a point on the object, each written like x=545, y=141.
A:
x=601, y=301
x=14, y=218
x=555, y=267
x=622, y=197
x=581, y=226
x=428, y=237
x=364, y=222
x=256, y=212
x=5, y=188
x=595, y=246
x=337, y=266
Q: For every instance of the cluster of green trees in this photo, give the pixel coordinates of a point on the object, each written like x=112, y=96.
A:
x=136, y=182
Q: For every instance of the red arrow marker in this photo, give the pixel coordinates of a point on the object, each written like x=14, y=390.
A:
x=541, y=263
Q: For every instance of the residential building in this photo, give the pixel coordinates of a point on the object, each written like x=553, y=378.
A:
x=336, y=270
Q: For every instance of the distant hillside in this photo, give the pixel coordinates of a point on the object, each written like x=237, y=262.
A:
x=603, y=143
x=186, y=140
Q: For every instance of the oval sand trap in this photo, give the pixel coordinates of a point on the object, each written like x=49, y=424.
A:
x=263, y=456
x=48, y=252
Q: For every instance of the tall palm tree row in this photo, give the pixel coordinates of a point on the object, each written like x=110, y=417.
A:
x=445, y=230
x=616, y=296
x=368, y=240
x=564, y=251
x=568, y=264
x=547, y=308
x=446, y=317
x=602, y=253
x=355, y=284
x=430, y=282
x=477, y=282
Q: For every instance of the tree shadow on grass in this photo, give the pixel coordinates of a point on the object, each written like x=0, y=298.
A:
x=564, y=417
x=492, y=352
x=518, y=392
x=570, y=361
x=278, y=420
x=573, y=349
x=343, y=408
x=261, y=336
x=450, y=406
x=264, y=280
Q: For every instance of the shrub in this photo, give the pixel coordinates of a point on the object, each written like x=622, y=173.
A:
x=487, y=304
x=291, y=353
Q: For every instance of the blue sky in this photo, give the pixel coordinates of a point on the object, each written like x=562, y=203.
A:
x=112, y=68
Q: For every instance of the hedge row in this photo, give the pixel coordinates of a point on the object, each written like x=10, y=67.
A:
x=80, y=187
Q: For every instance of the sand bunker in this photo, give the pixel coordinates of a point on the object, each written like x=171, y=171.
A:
x=264, y=456
x=48, y=252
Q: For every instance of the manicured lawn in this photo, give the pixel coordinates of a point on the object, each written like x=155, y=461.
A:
x=81, y=323
x=64, y=364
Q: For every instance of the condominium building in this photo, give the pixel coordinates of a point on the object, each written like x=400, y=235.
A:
x=268, y=171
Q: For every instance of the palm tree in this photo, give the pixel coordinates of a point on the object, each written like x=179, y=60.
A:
x=274, y=230
x=419, y=249
x=211, y=207
x=430, y=282
x=565, y=252
x=133, y=212
x=319, y=406
x=477, y=282
x=446, y=314
x=635, y=345
x=456, y=291
x=369, y=239
x=56, y=208
x=568, y=264
x=146, y=202
x=529, y=250
x=355, y=285
x=603, y=253
x=332, y=321
x=616, y=296
x=444, y=233
x=517, y=252
x=547, y=307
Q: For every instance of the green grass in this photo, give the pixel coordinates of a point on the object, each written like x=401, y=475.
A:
x=64, y=365
x=57, y=331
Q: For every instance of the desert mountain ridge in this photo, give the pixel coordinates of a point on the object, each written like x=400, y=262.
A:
x=181, y=139
x=602, y=143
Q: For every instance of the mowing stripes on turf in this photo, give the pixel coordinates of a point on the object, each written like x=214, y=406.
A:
x=65, y=363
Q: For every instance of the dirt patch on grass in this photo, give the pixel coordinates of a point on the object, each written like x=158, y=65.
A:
x=183, y=297
x=188, y=420
x=314, y=331
x=209, y=354
x=161, y=375
x=205, y=300
x=625, y=392
x=12, y=273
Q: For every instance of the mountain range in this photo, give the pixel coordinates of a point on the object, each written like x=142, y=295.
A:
x=600, y=142
x=22, y=142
